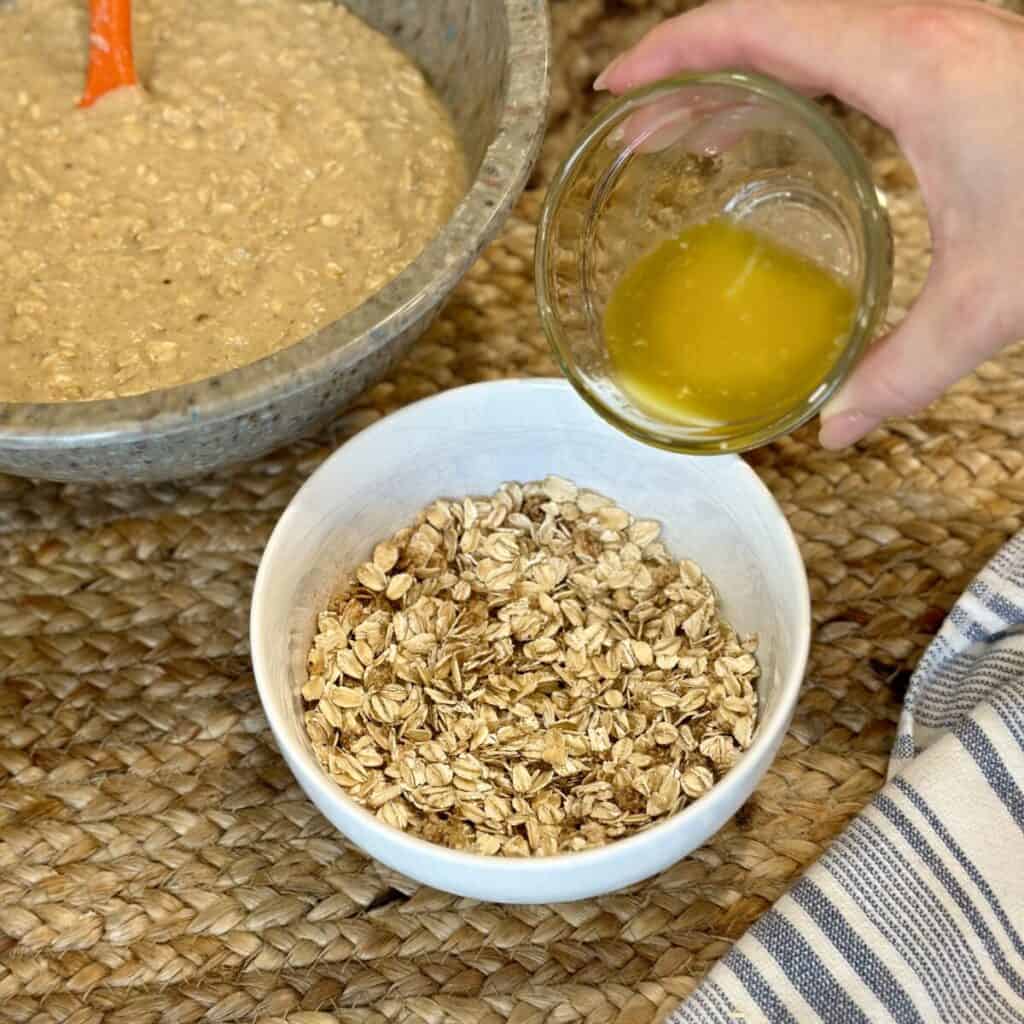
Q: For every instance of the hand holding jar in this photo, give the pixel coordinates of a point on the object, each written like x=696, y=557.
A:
x=947, y=78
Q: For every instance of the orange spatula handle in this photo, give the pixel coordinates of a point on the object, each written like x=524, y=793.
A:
x=110, y=49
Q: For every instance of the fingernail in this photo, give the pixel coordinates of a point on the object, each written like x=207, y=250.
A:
x=601, y=82
x=840, y=402
x=615, y=137
x=840, y=430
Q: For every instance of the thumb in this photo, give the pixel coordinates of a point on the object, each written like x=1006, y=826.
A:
x=946, y=334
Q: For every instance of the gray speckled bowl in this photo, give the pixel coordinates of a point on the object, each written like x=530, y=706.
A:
x=488, y=59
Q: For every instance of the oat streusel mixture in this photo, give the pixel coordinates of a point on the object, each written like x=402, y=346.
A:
x=283, y=162
x=529, y=673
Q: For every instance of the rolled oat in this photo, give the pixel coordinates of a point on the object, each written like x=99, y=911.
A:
x=529, y=673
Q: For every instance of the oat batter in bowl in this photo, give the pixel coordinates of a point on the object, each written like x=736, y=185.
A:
x=282, y=163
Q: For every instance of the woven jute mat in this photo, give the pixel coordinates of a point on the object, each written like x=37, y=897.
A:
x=159, y=863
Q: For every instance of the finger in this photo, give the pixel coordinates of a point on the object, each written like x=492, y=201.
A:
x=944, y=337
x=796, y=41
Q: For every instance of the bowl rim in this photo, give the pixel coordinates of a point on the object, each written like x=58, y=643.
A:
x=423, y=285
x=741, y=779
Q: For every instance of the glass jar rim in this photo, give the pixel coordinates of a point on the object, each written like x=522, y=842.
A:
x=873, y=223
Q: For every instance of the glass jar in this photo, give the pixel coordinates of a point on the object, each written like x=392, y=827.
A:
x=679, y=152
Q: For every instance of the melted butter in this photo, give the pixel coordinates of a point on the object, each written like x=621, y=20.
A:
x=721, y=324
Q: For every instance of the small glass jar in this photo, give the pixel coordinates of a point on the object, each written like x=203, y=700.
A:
x=679, y=152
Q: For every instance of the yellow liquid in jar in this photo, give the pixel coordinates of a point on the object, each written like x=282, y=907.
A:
x=721, y=324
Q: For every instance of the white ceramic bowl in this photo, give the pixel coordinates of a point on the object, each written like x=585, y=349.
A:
x=469, y=441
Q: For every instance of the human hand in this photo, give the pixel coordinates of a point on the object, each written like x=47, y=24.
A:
x=947, y=78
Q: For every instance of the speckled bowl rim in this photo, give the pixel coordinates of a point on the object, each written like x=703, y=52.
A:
x=423, y=285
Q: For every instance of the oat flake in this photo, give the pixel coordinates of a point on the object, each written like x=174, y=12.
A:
x=529, y=673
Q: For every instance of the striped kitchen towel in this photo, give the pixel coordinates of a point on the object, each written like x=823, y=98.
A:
x=916, y=912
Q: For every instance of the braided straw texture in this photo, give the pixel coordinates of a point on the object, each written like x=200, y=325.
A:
x=157, y=860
